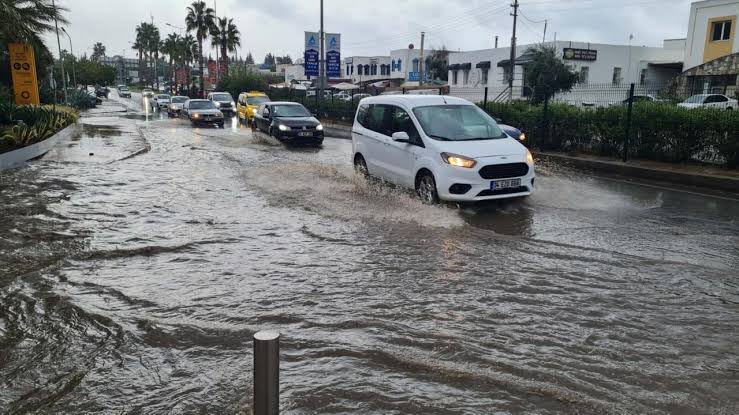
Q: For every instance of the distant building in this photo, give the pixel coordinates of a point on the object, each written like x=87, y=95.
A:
x=613, y=66
x=127, y=68
x=711, y=48
x=405, y=64
x=361, y=69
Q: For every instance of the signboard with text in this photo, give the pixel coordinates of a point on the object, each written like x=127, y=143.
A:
x=333, y=55
x=579, y=54
x=23, y=70
x=312, y=46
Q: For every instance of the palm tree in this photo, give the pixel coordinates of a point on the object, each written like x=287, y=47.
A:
x=200, y=19
x=227, y=37
x=154, y=45
x=98, y=51
x=26, y=20
x=187, y=51
x=169, y=48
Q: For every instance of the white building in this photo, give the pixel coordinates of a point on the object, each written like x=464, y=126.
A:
x=361, y=69
x=292, y=72
x=606, y=65
x=405, y=64
x=711, y=31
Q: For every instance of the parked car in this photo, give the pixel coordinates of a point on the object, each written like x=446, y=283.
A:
x=248, y=104
x=175, y=105
x=202, y=111
x=717, y=101
x=443, y=147
x=223, y=101
x=102, y=92
x=289, y=122
x=163, y=101
x=359, y=97
x=123, y=91
x=641, y=98
x=343, y=95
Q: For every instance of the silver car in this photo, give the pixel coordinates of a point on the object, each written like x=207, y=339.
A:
x=202, y=111
x=175, y=105
x=162, y=101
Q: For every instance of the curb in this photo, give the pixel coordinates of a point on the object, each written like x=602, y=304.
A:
x=337, y=131
x=722, y=183
x=20, y=156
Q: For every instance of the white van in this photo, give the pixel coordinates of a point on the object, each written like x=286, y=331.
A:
x=443, y=147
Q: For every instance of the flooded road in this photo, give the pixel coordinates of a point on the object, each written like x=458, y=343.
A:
x=137, y=261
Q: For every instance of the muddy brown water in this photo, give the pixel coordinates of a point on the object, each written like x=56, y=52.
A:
x=134, y=285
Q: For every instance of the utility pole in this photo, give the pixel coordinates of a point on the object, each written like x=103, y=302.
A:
x=322, y=62
x=421, y=63
x=156, y=75
x=71, y=50
x=218, y=64
x=496, y=41
x=513, y=50
x=61, y=59
x=544, y=39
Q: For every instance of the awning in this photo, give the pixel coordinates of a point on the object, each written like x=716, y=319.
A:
x=666, y=64
x=483, y=65
x=345, y=86
x=465, y=66
x=521, y=60
x=454, y=67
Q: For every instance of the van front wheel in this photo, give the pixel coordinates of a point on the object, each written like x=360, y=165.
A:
x=426, y=189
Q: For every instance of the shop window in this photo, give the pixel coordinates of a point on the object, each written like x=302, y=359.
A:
x=643, y=77
x=466, y=78
x=721, y=31
x=455, y=77
x=484, y=77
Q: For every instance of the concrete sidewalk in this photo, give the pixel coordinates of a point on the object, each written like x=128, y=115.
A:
x=705, y=177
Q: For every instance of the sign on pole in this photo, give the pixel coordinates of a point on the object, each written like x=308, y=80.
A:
x=333, y=55
x=312, y=44
x=23, y=70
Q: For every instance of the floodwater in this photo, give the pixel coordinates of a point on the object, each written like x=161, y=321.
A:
x=137, y=261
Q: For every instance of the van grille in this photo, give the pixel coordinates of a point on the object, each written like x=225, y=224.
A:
x=504, y=171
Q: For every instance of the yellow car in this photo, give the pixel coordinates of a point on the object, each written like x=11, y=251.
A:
x=248, y=104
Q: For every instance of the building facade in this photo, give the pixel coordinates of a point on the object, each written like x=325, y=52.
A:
x=127, y=69
x=711, y=49
x=611, y=66
x=361, y=69
x=405, y=64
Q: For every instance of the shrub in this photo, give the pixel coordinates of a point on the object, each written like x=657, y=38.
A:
x=80, y=99
x=659, y=131
x=33, y=123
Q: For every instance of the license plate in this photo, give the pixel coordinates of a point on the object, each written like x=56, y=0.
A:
x=505, y=184
x=305, y=134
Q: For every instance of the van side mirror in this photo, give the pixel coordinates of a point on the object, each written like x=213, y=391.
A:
x=265, y=113
x=498, y=120
x=401, y=137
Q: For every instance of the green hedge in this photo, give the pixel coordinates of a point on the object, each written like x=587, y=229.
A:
x=659, y=132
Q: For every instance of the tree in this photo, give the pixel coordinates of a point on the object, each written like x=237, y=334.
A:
x=438, y=64
x=269, y=60
x=98, y=51
x=201, y=20
x=249, y=59
x=548, y=73
x=147, y=45
x=90, y=72
x=226, y=37
x=171, y=49
x=283, y=60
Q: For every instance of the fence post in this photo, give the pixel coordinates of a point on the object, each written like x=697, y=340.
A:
x=266, y=373
x=547, y=130
x=318, y=103
x=485, y=99
x=403, y=91
x=628, y=123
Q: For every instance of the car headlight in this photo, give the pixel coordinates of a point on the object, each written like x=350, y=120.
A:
x=219, y=114
x=254, y=111
x=319, y=127
x=283, y=127
x=196, y=115
x=522, y=137
x=218, y=104
x=457, y=160
x=529, y=157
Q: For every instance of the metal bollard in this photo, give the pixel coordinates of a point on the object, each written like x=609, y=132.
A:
x=266, y=373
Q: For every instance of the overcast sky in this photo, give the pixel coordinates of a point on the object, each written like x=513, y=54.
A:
x=374, y=27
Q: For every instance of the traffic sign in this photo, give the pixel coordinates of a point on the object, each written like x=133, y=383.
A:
x=23, y=70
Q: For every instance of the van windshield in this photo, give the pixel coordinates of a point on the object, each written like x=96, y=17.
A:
x=457, y=123
x=256, y=100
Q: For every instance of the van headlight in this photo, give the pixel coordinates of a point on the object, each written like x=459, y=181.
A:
x=254, y=111
x=282, y=127
x=218, y=104
x=458, y=161
x=522, y=137
x=319, y=127
x=529, y=157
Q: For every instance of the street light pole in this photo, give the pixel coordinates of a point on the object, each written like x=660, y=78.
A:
x=61, y=59
x=218, y=65
x=322, y=73
x=71, y=50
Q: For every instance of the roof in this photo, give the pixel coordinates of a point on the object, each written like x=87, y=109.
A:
x=411, y=100
x=283, y=103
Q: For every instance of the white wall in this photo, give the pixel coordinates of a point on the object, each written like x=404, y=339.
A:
x=700, y=13
x=407, y=56
x=364, y=60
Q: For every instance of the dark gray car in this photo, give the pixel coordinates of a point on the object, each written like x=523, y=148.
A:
x=202, y=111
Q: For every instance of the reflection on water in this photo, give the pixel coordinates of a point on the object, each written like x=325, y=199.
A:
x=135, y=286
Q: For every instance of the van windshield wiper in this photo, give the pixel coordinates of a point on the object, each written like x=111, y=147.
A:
x=438, y=137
